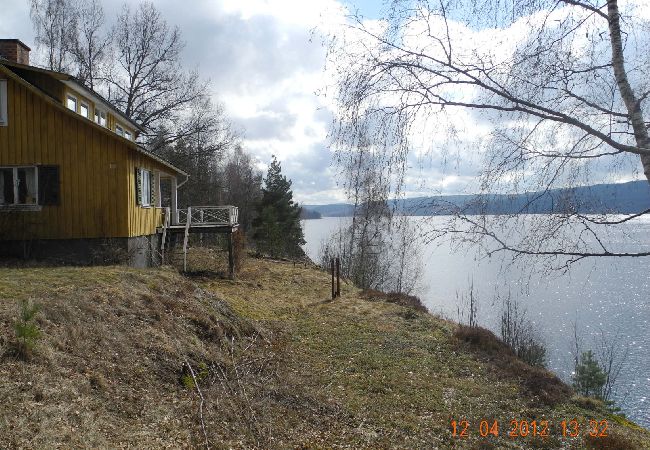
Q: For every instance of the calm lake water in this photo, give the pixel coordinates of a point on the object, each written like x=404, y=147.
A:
x=605, y=295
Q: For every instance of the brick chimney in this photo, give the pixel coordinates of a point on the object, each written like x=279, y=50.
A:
x=15, y=51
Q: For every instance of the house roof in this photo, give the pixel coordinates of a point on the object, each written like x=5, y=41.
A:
x=70, y=80
x=66, y=79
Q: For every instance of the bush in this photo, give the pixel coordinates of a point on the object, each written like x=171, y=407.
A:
x=609, y=442
x=27, y=331
x=520, y=335
x=537, y=381
x=589, y=379
x=410, y=301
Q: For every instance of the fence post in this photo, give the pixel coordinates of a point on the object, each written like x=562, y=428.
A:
x=333, y=291
x=338, y=276
x=231, y=257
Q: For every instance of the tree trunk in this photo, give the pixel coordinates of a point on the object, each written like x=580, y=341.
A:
x=632, y=104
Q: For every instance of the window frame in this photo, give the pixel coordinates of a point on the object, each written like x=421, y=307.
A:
x=69, y=97
x=119, y=130
x=145, y=183
x=128, y=135
x=100, y=115
x=16, y=187
x=83, y=104
x=4, y=120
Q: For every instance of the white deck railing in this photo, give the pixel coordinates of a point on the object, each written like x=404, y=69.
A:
x=207, y=215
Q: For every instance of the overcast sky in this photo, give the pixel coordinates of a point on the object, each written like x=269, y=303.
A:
x=265, y=60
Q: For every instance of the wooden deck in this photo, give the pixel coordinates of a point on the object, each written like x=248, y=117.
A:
x=199, y=219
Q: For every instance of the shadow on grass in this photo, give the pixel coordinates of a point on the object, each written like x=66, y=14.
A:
x=206, y=275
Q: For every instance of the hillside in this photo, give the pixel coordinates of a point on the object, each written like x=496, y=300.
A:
x=620, y=198
x=278, y=366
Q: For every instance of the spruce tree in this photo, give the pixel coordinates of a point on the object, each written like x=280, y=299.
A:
x=589, y=378
x=277, y=226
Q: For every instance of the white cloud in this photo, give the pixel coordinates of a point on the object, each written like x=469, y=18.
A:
x=266, y=61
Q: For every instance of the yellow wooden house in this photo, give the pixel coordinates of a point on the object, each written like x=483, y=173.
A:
x=72, y=177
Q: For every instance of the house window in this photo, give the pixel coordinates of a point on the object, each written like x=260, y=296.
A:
x=119, y=130
x=3, y=103
x=72, y=103
x=146, y=188
x=83, y=109
x=18, y=186
x=100, y=117
x=143, y=187
x=127, y=135
x=29, y=186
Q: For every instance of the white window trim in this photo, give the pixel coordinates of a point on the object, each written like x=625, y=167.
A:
x=100, y=113
x=4, y=120
x=82, y=104
x=119, y=130
x=145, y=202
x=76, y=102
x=22, y=206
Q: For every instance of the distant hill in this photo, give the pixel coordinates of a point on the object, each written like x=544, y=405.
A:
x=621, y=198
x=307, y=213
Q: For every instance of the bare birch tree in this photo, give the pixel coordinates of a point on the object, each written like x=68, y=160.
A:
x=92, y=43
x=561, y=87
x=148, y=81
x=378, y=250
x=55, y=24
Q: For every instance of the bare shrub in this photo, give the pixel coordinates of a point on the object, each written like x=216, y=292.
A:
x=467, y=305
x=410, y=301
x=544, y=387
x=609, y=442
x=519, y=333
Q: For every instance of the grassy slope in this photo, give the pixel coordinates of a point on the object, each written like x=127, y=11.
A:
x=279, y=366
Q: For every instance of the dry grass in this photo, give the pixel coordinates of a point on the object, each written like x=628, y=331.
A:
x=541, y=385
x=410, y=301
x=278, y=363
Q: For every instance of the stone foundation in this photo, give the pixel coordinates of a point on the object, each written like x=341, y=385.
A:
x=139, y=251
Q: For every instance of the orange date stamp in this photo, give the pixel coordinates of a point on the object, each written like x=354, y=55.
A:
x=515, y=428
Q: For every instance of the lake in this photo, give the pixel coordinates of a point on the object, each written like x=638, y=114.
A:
x=605, y=295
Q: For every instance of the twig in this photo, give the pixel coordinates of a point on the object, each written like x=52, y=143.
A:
x=198, y=390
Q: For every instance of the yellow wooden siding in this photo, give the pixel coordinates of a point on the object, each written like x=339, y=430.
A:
x=94, y=190
x=142, y=220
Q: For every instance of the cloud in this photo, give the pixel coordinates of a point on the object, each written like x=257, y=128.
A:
x=266, y=61
x=267, y=126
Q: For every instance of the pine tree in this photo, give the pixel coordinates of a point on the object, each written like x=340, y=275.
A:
x=277, y=226
x=589, y=378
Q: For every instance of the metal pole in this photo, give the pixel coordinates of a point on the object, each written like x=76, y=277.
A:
x=338, y=276
x=333, y=291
